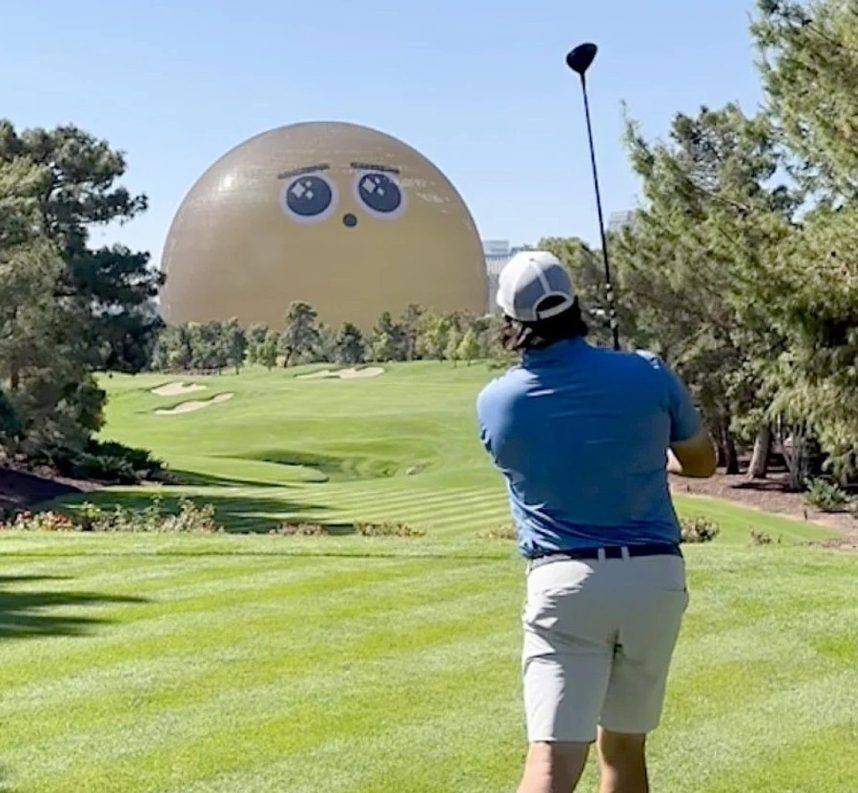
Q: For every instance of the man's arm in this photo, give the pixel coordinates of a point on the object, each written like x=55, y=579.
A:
x=692, y=457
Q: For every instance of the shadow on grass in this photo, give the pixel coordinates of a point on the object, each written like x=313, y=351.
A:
x=374, y=554
x=28, y=614
x=196, y=479
x=237, y=513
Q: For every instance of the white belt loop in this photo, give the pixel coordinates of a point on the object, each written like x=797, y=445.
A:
x=624, y=550
x=601, y=554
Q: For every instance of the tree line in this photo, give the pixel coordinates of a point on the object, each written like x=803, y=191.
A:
x=416, y=334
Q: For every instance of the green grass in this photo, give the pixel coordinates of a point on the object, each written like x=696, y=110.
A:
x=239, y=663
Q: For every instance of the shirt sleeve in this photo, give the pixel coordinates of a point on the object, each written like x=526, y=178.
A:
x=685, y=420
x=485, y=436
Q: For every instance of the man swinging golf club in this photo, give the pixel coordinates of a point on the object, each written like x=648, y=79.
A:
x=583, y=436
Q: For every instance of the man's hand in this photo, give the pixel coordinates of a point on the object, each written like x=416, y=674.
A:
x=694, y=457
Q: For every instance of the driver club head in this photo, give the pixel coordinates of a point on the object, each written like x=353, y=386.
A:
x=580, y=58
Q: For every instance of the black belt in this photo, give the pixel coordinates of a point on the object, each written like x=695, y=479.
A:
x=608, y=552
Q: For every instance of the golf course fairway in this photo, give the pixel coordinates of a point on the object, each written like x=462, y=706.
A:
x=236, y=663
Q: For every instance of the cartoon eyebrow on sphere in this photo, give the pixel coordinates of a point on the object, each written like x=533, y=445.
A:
x=365, y=166
x=306, y=169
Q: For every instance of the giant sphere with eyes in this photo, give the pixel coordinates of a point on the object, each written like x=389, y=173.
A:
x=341, y=216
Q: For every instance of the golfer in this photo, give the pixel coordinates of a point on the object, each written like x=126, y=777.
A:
x=584, y=437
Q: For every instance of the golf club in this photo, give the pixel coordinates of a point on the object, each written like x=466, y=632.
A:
x=579, y=60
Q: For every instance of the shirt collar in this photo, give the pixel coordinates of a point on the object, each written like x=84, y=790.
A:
x=561, y=350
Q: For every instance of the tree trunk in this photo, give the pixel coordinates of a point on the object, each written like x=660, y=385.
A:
x=731, y=461
x=721, y=461
x=760, y=458
x=791, y=443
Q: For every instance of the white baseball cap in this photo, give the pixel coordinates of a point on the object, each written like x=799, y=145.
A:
x=530, y=277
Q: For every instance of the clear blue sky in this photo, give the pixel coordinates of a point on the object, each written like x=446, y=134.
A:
x=478, y=86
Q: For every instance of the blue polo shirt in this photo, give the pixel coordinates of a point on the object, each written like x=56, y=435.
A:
x=581, y=435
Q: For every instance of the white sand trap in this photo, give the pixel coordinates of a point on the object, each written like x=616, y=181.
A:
x=178, y=388
x=190, y=407
x=360, y=374
x=343, y=374
x=320, y=375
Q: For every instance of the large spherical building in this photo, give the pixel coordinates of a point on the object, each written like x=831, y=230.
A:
x=346, y=218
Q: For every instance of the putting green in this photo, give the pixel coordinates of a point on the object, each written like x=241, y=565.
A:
x=195, y=664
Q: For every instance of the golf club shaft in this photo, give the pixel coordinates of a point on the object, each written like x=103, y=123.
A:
x=609, y=288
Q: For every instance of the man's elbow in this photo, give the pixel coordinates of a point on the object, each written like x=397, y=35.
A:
x=695, y=458
x=702, y=470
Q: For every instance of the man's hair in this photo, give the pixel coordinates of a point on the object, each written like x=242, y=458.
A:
x=520, y=336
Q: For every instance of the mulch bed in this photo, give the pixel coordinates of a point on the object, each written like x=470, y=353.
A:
x=771, y=495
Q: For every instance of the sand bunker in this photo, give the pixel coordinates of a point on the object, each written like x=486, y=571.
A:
x=177, y=389
x=343, y=374
x=190, y=407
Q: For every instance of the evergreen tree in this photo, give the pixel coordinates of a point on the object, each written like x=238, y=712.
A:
x=44, y=368
x=451, y=351
x=410, y=325
x=326, y=347
x=383, y=347
x=234, y=343
x=267, y=351
x=395, y=341
x=300, y=336
x=433, y=336
x=810, y=73
x=256, y=334
x=694, y=265
x=112, y=286
x=469, y=347
x=349, y=346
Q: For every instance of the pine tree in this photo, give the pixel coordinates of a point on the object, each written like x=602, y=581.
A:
x=256, y=334
x=235, y=343
x=469, y=347
x=267, y=351
x=451, y=351
x=112, y=286
x=383, y=347
x=349, y=345
x=300, y=336
x=810, y=73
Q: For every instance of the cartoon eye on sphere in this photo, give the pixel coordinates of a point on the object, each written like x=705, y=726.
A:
x=309, y=198
x=380, y=194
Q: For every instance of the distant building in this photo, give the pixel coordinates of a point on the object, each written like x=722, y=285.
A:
x=620, y=220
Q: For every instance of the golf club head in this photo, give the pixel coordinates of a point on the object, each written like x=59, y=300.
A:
x=579, y=59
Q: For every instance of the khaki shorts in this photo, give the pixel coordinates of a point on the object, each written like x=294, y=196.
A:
x=598, y=637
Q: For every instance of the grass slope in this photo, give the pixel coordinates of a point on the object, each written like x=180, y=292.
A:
x=233, y=663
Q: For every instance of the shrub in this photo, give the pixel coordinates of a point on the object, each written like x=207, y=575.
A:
x=699, y=529
x=761, y=538
x=39, y=521
x=500, y=533
x=825, y=495
x=387, y=530
x=190, y=518
x=302, y=530
x=107, y=462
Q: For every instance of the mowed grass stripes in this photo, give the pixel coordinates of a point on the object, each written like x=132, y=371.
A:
x=202, y=664
x=270, y=671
